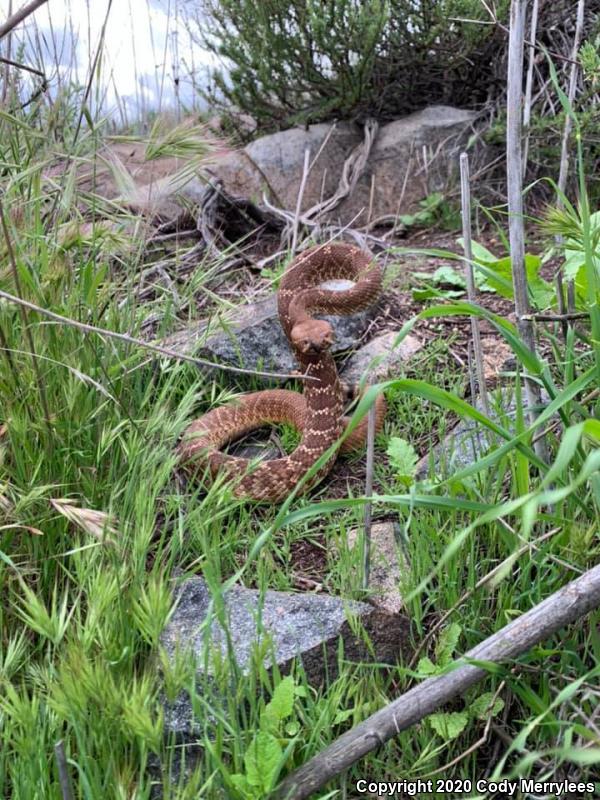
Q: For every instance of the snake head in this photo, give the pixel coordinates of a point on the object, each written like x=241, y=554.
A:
x=312, y=336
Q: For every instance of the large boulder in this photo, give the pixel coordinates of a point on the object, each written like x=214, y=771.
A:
x=410, y=158
x=286, y=626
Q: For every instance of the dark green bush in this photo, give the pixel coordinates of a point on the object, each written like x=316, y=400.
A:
x=292, y=61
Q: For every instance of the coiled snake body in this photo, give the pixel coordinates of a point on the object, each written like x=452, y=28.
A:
x=319, y=412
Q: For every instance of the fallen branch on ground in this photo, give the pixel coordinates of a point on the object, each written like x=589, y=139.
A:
x=562, y=608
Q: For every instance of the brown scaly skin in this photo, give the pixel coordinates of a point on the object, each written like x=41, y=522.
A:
x=318, y=414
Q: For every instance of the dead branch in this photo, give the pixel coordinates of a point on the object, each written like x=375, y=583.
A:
x=514, y=180
x=125, y=337
x=562, y=608
x=18, y=17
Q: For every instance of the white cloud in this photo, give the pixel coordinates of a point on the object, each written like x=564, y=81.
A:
x=146, y=46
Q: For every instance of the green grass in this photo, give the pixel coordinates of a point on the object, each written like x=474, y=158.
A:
x=87, y=587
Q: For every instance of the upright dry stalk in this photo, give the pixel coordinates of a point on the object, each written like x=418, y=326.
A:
x=514, y=177
x=296, y=225
x=465, y=193
x=63, y=771
x=529, y=83
x=368, y=492
x=564, y=152
x=8, y=53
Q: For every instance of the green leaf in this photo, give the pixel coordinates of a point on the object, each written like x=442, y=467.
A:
x=343, y=715
x=449, y=726
x=262, y=760
x=427, y=667
x=282, y=702
x=429, y=293
x=449, y=276
x=241, y=784
x=447, y=644
x=480, y=253
x=482, y=707
x=403, y=457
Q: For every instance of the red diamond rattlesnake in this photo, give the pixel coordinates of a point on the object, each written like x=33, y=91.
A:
x=319, y=412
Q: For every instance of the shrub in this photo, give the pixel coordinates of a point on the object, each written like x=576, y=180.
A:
x=303, y=61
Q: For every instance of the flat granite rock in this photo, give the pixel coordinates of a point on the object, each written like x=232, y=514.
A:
x=379, y=359
x=253, y=338
x=308, y=626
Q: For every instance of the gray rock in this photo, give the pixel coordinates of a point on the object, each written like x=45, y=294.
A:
x=258, y=447
x=275, y=163
x=468, y=441
x=308, y=626
x=253, y=338
x=389, y=359
x=387, y=564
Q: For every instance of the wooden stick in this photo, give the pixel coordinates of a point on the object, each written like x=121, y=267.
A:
x=18, y=17
x=465, y=192
x=63, y=772
x=559, y=317
x=155, y=348
x=296, y=224
x=529, y=83
x=564, y=152
x=562, y=608
x=514, y=170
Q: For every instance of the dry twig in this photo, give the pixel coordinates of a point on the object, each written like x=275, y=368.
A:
x=562, y=608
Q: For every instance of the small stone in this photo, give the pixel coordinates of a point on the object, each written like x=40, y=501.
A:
x=389, y=358
x=387, y=564
x=256, y=446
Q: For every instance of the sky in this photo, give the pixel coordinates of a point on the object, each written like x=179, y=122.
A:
x=147, y=45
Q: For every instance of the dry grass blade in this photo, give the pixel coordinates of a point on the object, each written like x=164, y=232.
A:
x=97, y=523
x=14, y=525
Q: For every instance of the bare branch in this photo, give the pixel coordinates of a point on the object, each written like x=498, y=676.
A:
x=18, y=17
x=155, y=348
x=562, y=608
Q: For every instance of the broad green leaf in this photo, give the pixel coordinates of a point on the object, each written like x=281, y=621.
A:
x=427, y=667
x=429, y=293
x=262, y=760
x=343, y=715
x=480, y=253
x=449, y=726
x=281, y=704
x=240, y=782
x=447, y=643
x=403, y=457
x=448, y=275
x=482, y=707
